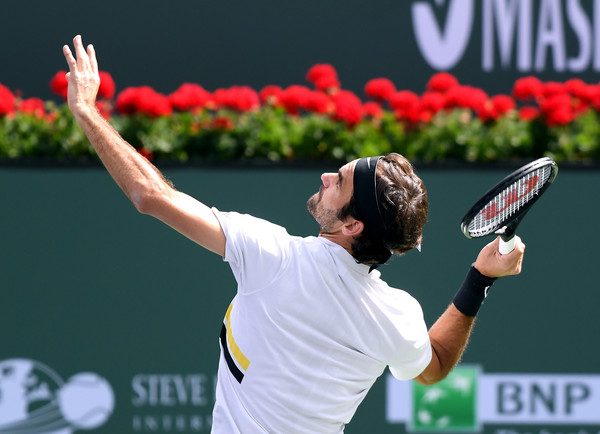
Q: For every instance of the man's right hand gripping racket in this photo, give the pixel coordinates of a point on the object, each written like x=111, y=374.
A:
x=502, y=208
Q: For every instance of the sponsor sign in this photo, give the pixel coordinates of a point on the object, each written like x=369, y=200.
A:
x=172, y=402
x=468, y=399
x=530, y=36
x=34, y=398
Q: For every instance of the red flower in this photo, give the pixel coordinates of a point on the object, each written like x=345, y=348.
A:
x=241, y=98
x=528, y=113
x=412, y=115
x=244, y=98
x=319, y=102
x=294, y=98
x=558, y=109
x=327, y=83
x=406, y=105
x=562, y=115
x=270, y=94
x=503, y=104
x=496, y=107
x=373, y=109
x=143, y=100
x=222, y=123
x=590, y=95
x=466, y=97
x=33, y=106
x=380, y=89
x=527, y=88
x=59, y=84
x=403, y=100
x=107, y=86
x=553, y=88
x=7, y=101
x=425, y=116
x=555, y=102
x=126, y=101
x=189, y=96
x=580, y=107
x=323, y=71
x=348, y=107
x=575, y=86
x=586, y=95
x=433, y=101
x=442, y=82
x=221, y=98
x=154, y=104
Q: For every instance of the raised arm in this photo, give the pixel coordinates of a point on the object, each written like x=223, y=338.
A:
x=450, y=333
x=141, y=181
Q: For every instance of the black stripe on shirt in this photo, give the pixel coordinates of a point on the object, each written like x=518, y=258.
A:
x=235, y=371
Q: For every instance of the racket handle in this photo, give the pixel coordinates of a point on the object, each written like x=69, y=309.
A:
x=506, y=245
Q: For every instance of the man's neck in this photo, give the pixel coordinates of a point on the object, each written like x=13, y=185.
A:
x=339, y=239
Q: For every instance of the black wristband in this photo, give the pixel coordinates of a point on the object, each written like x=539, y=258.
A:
x=472, y=292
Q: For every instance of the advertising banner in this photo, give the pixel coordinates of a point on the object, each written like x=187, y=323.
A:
x=469, y=399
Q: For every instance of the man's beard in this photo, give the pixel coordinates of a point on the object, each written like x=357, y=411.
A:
x=326, y=218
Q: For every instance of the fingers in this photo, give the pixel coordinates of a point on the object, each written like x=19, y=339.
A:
x=513, y=261
x=517, y=256
x=490, y=262
x=83, y=76
x=82, y=57
x=70, y=59
x=92, y=55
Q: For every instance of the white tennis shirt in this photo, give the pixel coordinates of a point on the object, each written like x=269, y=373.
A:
x=308, y=333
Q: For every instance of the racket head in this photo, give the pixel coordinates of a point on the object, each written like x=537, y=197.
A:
x=501, y=209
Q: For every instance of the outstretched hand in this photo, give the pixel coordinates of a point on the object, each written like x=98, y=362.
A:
x=83, y=77
x=490, y=262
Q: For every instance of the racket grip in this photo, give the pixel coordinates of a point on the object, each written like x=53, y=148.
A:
x=506, y=245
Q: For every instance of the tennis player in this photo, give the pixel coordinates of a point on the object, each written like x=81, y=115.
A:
x=313, y=325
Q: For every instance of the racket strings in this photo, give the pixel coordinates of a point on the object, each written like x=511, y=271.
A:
x=508, y=202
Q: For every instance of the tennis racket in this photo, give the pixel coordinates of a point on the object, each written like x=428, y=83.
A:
x=503, y=207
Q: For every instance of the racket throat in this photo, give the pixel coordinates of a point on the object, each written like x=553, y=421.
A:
x=508, y=231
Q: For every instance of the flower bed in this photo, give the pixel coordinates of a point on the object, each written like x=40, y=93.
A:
x=320, y=121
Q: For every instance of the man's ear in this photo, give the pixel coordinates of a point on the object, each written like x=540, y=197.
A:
x=352, y=227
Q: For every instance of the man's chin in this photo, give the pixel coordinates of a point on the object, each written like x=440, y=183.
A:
x=311, y=204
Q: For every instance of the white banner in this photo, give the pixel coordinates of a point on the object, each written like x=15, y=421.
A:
x=500, y=399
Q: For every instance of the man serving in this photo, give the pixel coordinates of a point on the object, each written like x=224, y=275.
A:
x=312, y=325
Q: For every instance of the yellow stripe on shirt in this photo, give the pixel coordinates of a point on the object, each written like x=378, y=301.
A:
x=235, y=350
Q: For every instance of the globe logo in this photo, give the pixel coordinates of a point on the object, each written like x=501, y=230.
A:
x=33, y=398
x=450, y=405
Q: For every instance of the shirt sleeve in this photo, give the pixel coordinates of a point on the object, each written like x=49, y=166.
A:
x=414, y=354
x=257, y=250
x=413, y=366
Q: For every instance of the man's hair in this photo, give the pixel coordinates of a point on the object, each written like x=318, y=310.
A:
x=402, y=201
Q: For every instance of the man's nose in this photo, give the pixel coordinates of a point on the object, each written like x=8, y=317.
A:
x=326, y=179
